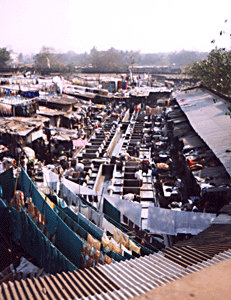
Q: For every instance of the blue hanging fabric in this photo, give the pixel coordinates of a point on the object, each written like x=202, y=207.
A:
x=22, y=229
x=112, y=214
x=7, y=184
x=65, y=239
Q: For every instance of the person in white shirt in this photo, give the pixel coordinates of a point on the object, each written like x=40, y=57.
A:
x=79, y=167
x=139, y=176
x=110, y=188
x=129, y=197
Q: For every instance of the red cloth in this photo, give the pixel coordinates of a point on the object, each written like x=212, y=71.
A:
x=145, y=162
x=137, y=108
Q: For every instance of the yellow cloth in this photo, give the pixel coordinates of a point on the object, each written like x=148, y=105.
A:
x=132, y=246
x=110, y=244
x=106, y=244
x=115, y=246
x=116, y=235
x=105, y=241
x=49, y=202
x=120, y=237
x=116, y=249
x=95, y=243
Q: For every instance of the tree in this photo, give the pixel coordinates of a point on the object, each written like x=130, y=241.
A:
x=215, y=71
x=106, y=61
x=4, y=58
x=46, y=61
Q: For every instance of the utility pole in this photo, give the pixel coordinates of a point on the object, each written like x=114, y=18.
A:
x=131, y=70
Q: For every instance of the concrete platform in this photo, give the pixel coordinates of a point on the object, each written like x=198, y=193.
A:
x=146, y=194
x=212, y=283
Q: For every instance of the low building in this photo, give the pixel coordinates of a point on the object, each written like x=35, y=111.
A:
x=23, y=131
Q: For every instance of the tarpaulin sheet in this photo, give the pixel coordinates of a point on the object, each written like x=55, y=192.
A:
x=72, y=224
x=87, y=221
x=105, y=225
x=72, y=198
x=33, y=241
x=190, y=222
x=25, y=184
x=172, y=222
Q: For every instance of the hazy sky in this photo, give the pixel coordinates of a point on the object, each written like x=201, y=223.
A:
x=146, y=25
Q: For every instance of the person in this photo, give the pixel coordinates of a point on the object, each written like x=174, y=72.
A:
x=24, y=160
x=138, y=176
x=69, y=172
x=145, y=165
x=79, y=167
x=52, y=148
x=71, y=148
x=63, y=156
x=110, y=188
x=19, y=151
x=144, y=139
x=48, y=158
x=129, y=197
x=60, y=149
x=149, y=145
x=154, y=173
x=124, y=156
x=188, y=206
x=81, y=132
x=135, y=151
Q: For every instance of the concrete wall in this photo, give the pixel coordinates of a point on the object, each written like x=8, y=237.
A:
x=97, y=184
x=112, y=144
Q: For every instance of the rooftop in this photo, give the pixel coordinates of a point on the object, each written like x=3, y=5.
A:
x=207, y=113
x=20, y=125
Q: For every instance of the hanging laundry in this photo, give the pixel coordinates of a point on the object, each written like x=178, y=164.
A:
x=95, y=243
x=120, y=237
x=111, y=212
x=133, y=247
x=125, y=250
x=131, y=210
x=106, y=225
x=172, y=222
x=96, y=217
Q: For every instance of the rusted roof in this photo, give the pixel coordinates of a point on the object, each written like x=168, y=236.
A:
x=45, y=111
x=21, y=125
x=59, y=100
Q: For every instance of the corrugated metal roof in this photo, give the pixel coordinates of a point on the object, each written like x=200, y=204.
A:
x=207, y=114
x=211, y=241
x=115, y=281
